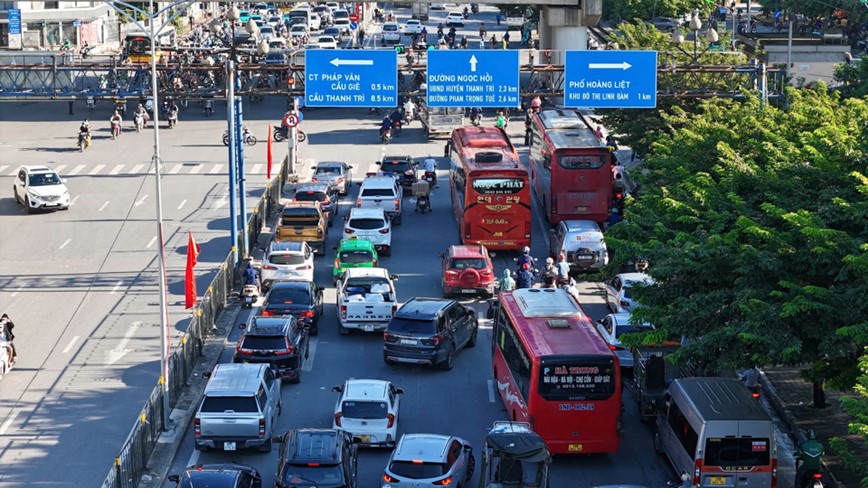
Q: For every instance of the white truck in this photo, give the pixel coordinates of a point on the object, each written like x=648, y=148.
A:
x=420, y=11
x=366, y=299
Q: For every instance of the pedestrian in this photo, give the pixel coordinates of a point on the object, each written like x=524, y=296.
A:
x=528, y=131
x=498, y=18
x=192, y=22
x=506, y=40
x=463, y=42
x=493, y=41
x=599, y=133
x=362, y=37
x=500, y=122
x=481, y=43
x=70, y=107
x=507, y=283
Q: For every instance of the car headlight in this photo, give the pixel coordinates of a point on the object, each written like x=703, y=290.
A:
x=32, y=194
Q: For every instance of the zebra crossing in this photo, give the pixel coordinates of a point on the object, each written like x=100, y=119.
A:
x=65, y=170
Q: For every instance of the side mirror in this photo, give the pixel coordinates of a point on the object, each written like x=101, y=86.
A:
x=349, y=167
x=338, y=389
x=393, y=277
x=313, y=167
x=378, y=163
x=399, y=391
x=468, y=448
x=174, y=478
x=242, y=326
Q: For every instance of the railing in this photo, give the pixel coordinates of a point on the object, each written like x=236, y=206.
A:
x=131, y=461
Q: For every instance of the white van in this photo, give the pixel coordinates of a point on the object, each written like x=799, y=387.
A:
x=382, y=192
x=713, y=430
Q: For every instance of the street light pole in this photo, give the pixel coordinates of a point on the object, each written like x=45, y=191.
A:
x=232, y=14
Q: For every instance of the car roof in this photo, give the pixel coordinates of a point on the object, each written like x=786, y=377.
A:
x=234, y=378
x=621, y=318
x=367, y=213
x=380, y=181
x=37, y=169
x=424, y=447
x=581, y=225
x=286, y=246
x=631, y=278
x=290, y=284
x=466, y=251
x=387, y=159
x=315, y=444
x=268, y=325
x=366, y=272
x=312, y=186
x=361, y=389
x=355, y=243
x=422, y=308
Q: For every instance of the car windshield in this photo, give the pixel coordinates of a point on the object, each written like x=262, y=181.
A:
x=416, y=470
x=410, y=326
x=328, y=170
x=377, y=192
x=395, y=166
x=327, y=40
x=311, y=196
x=285, y=259
x=263, y=342
x=626, y=329
x=288, y=296
x=364, y=410
x=43, y=179
x=220, y=404
x=324, y=475
x=367, y=224
x=390, y=28
x=356, y=257
x=464, y=263
x=332, y=32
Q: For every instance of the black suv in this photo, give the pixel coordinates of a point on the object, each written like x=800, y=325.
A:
x=404, y=169
x=325, y=458
x=279, y=341
x=218, y=476
x=301, y=299
x=429, y=331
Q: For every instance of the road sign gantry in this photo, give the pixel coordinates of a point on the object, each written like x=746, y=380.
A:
x=351, y=78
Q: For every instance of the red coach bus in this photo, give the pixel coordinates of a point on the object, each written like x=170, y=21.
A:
x=570, y=168
x=555, y=371
x=490, y=191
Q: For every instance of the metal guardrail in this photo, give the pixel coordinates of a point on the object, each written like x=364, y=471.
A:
x=131, y=461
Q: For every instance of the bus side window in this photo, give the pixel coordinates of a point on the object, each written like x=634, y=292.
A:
x=547, y=160
x=683, y=430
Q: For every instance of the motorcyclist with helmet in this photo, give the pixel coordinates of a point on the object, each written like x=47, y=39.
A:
x=550, y=273
x=84, y=133
x=524, y=277
x=6, y=326
x=525, y=258
x=385, y=125
x=809, y=460
x=431, y=170
x=115, y=121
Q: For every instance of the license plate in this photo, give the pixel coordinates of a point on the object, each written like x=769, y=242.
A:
x=409, y=342
x=365, y=438
x=581, y=209
x=228, y=446
x=248, y=299
x=585, y=257
x=717, y=480
x=467, y=290
x=368, y=328
x=574, y=448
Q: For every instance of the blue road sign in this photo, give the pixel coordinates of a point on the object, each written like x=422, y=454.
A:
x=15, y=21
x=473, y=78
x=354, y=26
x=76, y=23
x=610, y=79
x=351, y=78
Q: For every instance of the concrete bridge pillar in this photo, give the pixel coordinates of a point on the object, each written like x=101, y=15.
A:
x=565, y=28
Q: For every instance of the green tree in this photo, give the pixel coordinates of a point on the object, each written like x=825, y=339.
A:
x=853, y=77
x=755, y=220
x=858, y=408
x=618, y=10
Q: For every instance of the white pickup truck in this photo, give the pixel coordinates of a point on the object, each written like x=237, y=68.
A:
x=366, y=299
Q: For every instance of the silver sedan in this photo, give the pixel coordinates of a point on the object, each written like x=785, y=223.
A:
x=336, y=173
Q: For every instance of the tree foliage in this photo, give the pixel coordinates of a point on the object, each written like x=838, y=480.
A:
x=755, y=220
x=853, y=77
x=858, y=408
x=617, y=10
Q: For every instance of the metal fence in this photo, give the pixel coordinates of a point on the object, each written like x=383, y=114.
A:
x=131, y=461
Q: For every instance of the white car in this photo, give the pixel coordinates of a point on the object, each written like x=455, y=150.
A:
x=343, y=25
x=333, y=6
x=455, y=18
x=266, y=32
x=274, y=21
x=298, y=30
x=391, y=32
x=327, y=42
x=371, y=224
x=286, y=261
x=382, y=191
x=315, y=21
x=368, y=409
x=612, y=327
x=40, y=188
x=438, y=6
x=413, y=26
x=618, y=294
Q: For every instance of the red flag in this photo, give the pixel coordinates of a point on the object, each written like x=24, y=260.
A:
x=189, y=279
x=269, y=153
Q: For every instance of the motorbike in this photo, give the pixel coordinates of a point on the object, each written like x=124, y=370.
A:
x=121, y=108
x=91, y=103
x=116, y=129
x=209, y=108
x=7, y=360
x=173, y=119
x=474, y=8
x=385, y=136
x=246, y=137
x=476, y=119
x=83, y=141
x=280, y=134
x=423, y=203
x=249, y=295
x=139, y=121
x=431, y=178
x=396, y=127
x=466, y=13
x=85, y=51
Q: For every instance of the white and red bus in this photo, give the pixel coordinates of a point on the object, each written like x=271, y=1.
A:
x=554, y=371
x=490, y=190
x=570, y=168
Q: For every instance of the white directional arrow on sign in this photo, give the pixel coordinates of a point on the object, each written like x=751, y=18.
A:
x=473, y=62
x=352, y=62
x=622, y=65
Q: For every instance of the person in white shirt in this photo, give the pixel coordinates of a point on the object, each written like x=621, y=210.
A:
x=431, y=169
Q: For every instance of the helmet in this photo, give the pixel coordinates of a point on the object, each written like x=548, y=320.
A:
x=550, y=261
x=526, y=250
x=525, y=266
x=812, y=435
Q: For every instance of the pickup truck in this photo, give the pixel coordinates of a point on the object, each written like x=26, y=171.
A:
x=366, y=299
x=303, y=221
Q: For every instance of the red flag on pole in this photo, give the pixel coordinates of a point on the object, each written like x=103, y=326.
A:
x=269, y=153
x=189, y=279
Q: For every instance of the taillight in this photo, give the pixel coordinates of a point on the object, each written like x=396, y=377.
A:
x=391, y=418
x=261, y=427
x=384, y=230
x=319, y=232
x=774, y=473
x=239, y=349
x=338, y=418
x=347, y=230
x=313, y=179
x=389, y=479
x=618, y=196
x=265, y=313
x=359, y=202
x=527, y=229
x=197, y=426
x=387, y=337
x=615, y=348
x=697, y=469
x=818, y=476
x=268, y=266
x=444, y=482
x=394, y=308
x=343, y=312
x=340, y=180
x=625, y=303
x=397, y=204
x=308, y=313
x=433, y=341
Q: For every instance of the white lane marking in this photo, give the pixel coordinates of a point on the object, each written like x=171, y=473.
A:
x=59, y=168
x=3, y=167
x=104, y=205
x=194, y=458
x=221, y=203
x=182, y=204
x=13, y=172
x=256, y=169
x=152, y=241
x=116, y=287
x=71, y=343
x=141, y=200
x=176, y=169
x=373, y=168
x=77, y=169
x=491, y=391
x=121, y=350
x=8, y=421
x=216, y=169
x=96, y=169
x=17, y=290
x=117, y=169
x=65, y=243
x=137, y=168
x=195, y=169
x=308, y=363
x=74, y=200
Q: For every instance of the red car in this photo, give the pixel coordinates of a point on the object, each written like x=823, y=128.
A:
x=467, y=270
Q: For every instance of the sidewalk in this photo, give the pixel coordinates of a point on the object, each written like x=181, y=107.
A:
x=796, y=396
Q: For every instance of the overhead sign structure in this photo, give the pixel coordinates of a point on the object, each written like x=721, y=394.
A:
x=610, y=79
x=351, y=78
x=473, y=78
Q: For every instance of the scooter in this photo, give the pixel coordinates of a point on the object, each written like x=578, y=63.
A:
x=396, y=127
x=85, y=51
x=83, y=141
x=246, y=136
x=139, y=121
x=209, y=107
x=386, y=136
x=7, y=360
x=173, y=119
x=423, y=204
x=431, y=178
x=249, y=295
x=280, y=134
x=91, y=103
x=476, y=119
